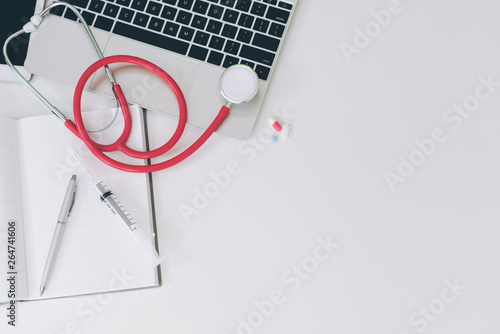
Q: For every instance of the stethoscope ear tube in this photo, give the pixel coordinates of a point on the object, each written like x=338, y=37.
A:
x=31, y=26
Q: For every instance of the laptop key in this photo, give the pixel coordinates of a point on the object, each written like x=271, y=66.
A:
x=277, y=14
x=229, y=31
x=201, y=38
x=123, y=2
x=215, y=58
x=57, y=10
x=96, y=6
x=156, y=24
x=246, y=20
x=79, y=3
x=170, y=2
x=285, y=5
x=261, y=25
x=103, y=23
x=200, y=7
x=186, y=4
x=141, y=19
x=229, y=61
x=230, y=16
x=126, y=15
x=271, y=2
x=232, y=47
x=216, y=42
x=168, y=12
x=154, y=8
x=215, y=11
x=214, y=26
x=70, y=15
x=243, y=5
x=266, y=42
x=247, y=63
x=244, y=35
x=257, y=55
x=186, y=34
x=276, y=30
x=262, y=72
x=171, y=28
x=184, y=17
x=197, y=52
x=228, y=3
x=139, y=4
x=111, y=10
x=258, y=9
x=199, y=22
x=148, y=37
x=88, y=17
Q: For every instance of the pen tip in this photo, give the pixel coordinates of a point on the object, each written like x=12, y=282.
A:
x=73, y=177
x=42, y=289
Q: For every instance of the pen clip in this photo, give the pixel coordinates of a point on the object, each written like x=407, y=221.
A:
x=72, y=201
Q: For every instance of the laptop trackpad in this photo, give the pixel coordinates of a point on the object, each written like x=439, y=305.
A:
x=142, y=86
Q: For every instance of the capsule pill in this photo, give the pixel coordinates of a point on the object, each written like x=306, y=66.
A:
x=285, y=131
x=275, y=124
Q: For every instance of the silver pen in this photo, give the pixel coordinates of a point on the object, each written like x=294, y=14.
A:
x=67, y=205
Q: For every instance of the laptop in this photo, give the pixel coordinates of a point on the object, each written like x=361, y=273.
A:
x=194, y=41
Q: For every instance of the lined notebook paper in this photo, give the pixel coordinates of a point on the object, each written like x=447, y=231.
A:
x=97, y=253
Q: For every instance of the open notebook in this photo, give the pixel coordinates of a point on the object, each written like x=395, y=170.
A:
x=97, y=253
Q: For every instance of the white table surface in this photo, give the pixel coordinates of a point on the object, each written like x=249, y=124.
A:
x=421, y=257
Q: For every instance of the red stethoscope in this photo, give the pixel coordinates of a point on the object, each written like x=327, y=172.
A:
x=238, y=84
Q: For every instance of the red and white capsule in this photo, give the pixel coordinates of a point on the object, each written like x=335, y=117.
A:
x=275, y=124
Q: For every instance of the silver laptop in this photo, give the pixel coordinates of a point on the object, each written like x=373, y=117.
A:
x=192, y=40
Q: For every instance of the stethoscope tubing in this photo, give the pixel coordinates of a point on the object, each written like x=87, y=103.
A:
x=78, y=128
x=120, y=143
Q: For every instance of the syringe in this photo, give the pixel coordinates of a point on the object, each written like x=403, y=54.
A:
x=107, y=196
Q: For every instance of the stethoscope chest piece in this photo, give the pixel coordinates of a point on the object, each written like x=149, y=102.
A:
x=239, y=84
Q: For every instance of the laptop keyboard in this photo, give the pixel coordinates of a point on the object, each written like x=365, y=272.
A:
x=219, y=32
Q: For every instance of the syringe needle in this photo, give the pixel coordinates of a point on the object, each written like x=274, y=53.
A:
x=118, y=210
x=87, y=171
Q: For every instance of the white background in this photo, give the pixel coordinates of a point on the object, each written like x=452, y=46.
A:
x=351, y=123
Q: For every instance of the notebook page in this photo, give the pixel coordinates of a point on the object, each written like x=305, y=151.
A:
x=10, y=210
x=96, y=248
